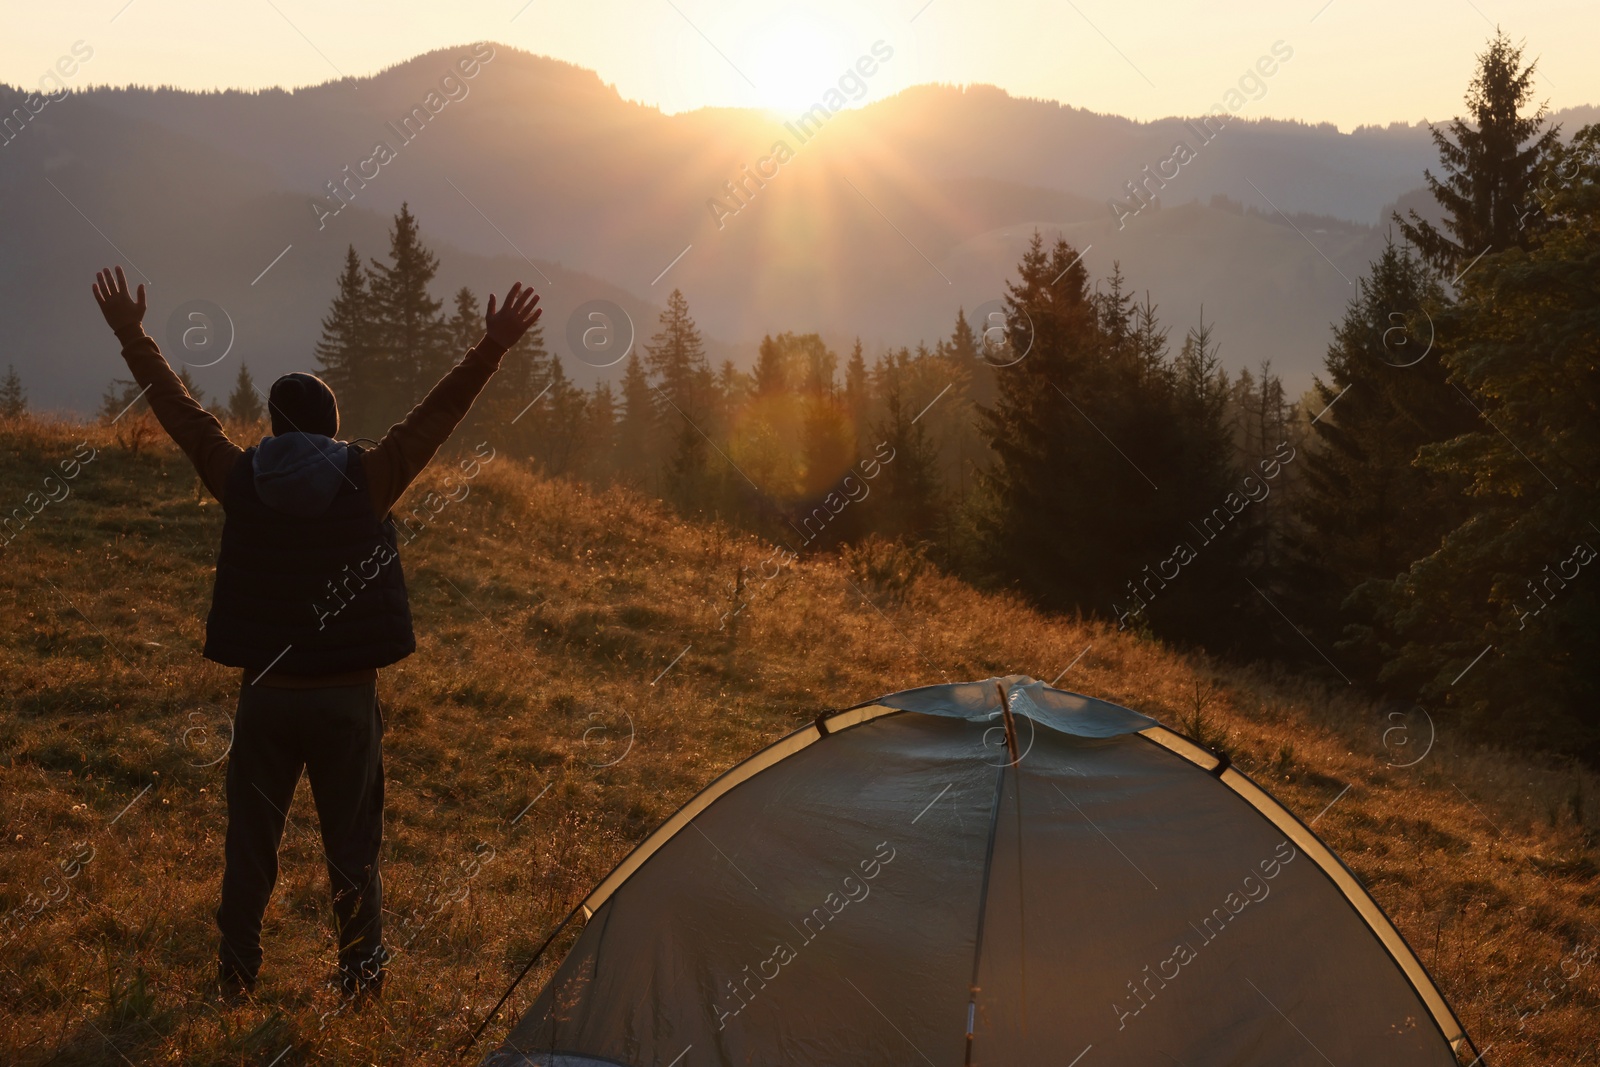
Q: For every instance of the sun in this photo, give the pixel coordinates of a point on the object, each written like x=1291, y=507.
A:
x=794, y=61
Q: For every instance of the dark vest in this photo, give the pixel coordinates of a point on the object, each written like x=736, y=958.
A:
x=329, y=588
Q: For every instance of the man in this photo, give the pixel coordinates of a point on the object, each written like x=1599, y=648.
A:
x=309, y=601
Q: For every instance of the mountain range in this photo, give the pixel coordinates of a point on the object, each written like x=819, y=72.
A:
x=879, y=222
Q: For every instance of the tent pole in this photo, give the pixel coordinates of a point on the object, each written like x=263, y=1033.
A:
x=1010, y=724
x=988, y=865
x=1022, y=919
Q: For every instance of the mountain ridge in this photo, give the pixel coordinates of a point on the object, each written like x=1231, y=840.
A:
x=885, y=222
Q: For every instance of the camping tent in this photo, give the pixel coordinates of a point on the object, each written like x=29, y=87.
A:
x=995, y=873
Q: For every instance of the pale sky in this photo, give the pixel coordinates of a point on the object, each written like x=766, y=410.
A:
x=1355, y=61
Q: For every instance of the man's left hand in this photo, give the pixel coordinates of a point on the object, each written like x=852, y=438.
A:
x=111, y=293
x=505, y=325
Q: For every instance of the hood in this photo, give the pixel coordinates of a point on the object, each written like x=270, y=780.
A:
x=299, y=473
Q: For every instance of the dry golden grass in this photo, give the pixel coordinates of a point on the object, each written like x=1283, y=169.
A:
x=545, y=615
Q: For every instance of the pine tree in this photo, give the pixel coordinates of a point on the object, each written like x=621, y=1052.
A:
x=509, y=411
x=1512, y=591
x=1029, y=429
x=1202, y=402
x=682, y=378
x=789, y=420
x=857, y=392
x=601, y=434
x=465, y=327
x=828, y=448
x=817, y=365
x=771, y=374
x=733, y=391
x=348, y=355
x=558, y=423
x=1104, y=496
x=1367, y=510
x=677, y=359
x=964, y=350
x=1221, y=480
x=1492, y=167
x=1197, y=531
x=244, y=404
x=13, y=400
x=909, y=507
x=951, y=411
x=1259, y=413
x=411, y=330
x=637, y=427
x=1262, y=425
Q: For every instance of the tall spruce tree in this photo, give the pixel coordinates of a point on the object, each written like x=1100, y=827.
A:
x=911, y=504
x=1034, y=438
x=1512, y=591
x=828, y=445
x=772, y=374
x=244, y=403
x=601, y=433
x=676, y=358
x=412, y=334
x=732, y=391
x=857, y=392
x=965, y=347
x=1198, y=528
x=1104, y=495
x=558, y=423
x=637, y=426
x=826, y=439
x=1268, y=443
x=348, y=356
x=1367, y=509
x=528, y=398
x=1492, y=167
x=1201, y=400
x=465, y=326
x=682, y=379
x=953, y=415
x=13, y=400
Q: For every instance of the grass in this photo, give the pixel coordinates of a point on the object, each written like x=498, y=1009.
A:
x=574, y=684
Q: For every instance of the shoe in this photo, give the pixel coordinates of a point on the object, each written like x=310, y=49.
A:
x=233, y=985
x=361, y=979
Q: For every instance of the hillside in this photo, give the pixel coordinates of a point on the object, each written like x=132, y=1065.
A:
x=573, y=686
x=535, y=167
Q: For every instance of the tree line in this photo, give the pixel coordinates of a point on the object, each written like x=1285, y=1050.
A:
x=1061, y=446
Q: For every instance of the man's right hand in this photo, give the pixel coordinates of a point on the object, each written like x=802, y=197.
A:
x=111, y=293
x=506, y=325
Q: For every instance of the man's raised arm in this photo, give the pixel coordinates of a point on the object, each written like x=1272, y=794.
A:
x=192, y=427
x=410, y=443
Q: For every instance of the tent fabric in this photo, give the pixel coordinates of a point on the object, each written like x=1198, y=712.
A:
x=875, y=888
x=980, y=701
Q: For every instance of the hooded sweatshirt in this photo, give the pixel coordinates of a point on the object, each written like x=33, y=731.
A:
x=299, y=473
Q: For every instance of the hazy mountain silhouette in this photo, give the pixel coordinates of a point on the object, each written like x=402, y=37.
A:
x=881, y=224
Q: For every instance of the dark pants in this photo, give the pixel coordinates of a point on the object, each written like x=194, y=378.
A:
x=336, y=735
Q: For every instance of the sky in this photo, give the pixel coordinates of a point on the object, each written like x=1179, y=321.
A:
x=1355, y=62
